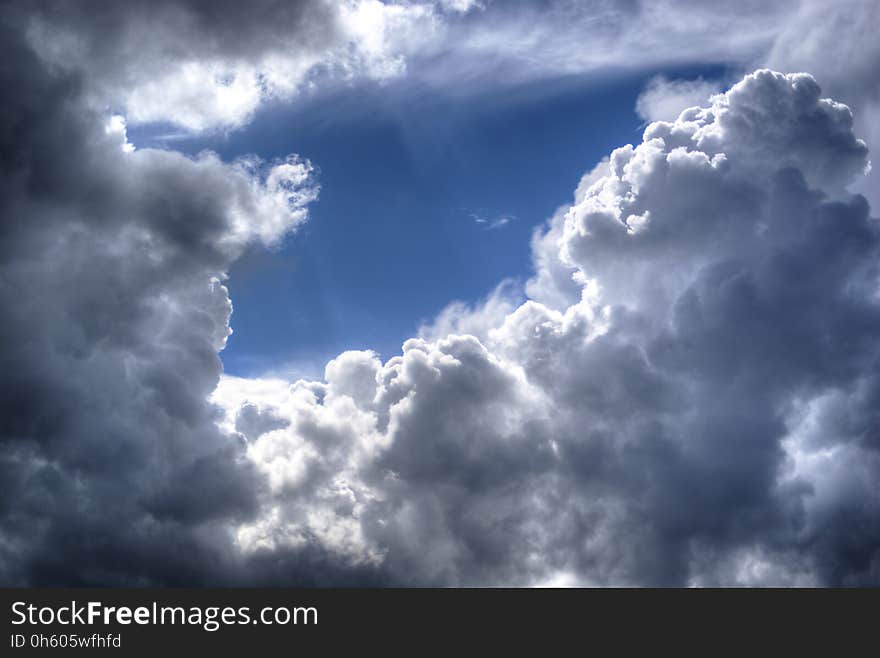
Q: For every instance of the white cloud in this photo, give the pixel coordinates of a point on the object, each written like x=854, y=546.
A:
x=836, y=42
x=197, y=96
x=553, y=283
x=477, y=319
x=113, y=276
x=664, y=100
x=639, y=435
x=185, y=63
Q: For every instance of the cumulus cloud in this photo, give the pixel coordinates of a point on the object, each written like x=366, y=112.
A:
x=835, y=41
x=207, y=66
x=802, y=38
x=114, y=313
x=703, y=414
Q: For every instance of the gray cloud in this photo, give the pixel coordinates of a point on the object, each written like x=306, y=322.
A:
x=205, y=65
x=114, y=469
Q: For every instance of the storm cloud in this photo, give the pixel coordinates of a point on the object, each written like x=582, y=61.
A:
x=114, y=312
x=688, y=396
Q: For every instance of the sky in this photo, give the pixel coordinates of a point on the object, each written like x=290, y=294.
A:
x=440, y=293
x=453, y=186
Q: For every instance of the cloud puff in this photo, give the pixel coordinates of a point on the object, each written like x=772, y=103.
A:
x=704, y=414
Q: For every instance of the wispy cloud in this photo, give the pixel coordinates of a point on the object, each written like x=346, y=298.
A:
x=489, y=222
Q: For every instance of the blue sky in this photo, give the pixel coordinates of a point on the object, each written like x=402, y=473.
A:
x=405, y=171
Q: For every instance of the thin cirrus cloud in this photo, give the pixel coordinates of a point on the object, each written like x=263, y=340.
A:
x=490, y=223
x=209, y=66
x=687, y=396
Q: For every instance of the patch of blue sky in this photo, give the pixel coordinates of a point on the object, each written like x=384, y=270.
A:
x=426, y=197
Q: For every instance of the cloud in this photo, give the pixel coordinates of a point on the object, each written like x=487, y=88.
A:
x=806, y=42
x=689, y=420
x=664, y=100
x=800, y=39
x=475, y=319
x=113, y=466
x=488, y=223
x=210, y=65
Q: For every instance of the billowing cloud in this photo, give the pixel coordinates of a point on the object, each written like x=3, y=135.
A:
x=114, y=312
x=835, y=41
x=704, y=414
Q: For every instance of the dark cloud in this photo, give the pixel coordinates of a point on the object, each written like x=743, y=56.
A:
x=114, y=470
